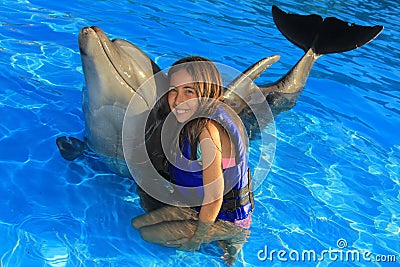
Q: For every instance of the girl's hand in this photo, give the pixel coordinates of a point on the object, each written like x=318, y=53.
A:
x=200, y=235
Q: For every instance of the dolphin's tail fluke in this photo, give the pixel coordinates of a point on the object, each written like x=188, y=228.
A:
x=324, y=36
x=70, y=148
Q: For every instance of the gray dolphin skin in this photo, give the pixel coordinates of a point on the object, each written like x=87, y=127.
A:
x=114, y=70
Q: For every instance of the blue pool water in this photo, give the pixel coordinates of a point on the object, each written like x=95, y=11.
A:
x=336, y=169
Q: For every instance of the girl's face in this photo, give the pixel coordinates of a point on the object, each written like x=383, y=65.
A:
x=182, y=96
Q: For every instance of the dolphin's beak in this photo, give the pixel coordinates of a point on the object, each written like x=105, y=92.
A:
x=90, y=37
x=83, y=39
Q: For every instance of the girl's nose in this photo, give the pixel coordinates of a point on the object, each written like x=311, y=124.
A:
x=179, y=99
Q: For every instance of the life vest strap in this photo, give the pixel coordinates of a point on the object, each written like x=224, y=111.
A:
x=237, y=198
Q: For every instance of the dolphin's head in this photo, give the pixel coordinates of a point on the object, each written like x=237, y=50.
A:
x=114, y=72
x=114, y=69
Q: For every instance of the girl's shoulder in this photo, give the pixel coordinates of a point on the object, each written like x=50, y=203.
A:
x=211, y=130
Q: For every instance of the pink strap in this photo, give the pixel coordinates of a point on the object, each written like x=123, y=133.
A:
x=228, y=162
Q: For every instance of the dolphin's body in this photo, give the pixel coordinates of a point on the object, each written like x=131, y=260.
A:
x=114, y=70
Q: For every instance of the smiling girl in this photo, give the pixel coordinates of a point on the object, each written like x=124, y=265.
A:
x=208, y=155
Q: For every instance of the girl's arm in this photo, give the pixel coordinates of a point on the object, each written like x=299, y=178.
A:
x=213, y=182
x=210, y=146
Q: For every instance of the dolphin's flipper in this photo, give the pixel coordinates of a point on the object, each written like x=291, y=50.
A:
x=70, y=148
x=241, y=87
x=324, y=36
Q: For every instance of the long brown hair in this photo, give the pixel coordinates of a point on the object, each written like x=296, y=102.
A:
x=208, y=86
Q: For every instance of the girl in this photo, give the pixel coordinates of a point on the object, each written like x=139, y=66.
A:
x=210, y=159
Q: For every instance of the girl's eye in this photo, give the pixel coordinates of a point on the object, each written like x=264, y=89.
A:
x=190, y=91
x=171, y=90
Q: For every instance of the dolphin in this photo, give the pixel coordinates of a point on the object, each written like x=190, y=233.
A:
x=114, y=70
